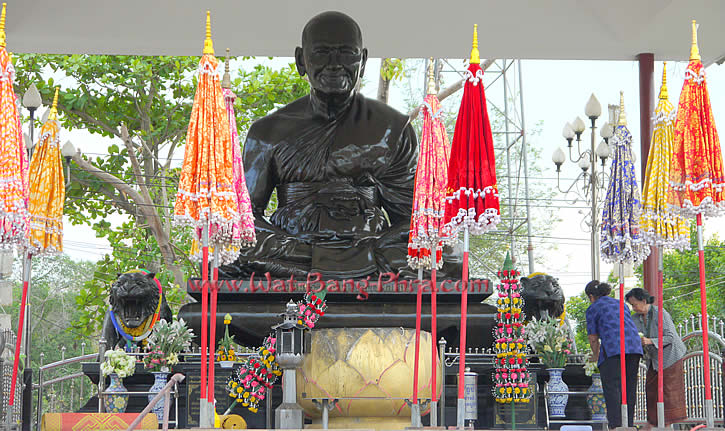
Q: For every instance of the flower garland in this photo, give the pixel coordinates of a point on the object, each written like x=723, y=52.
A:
x=310, y=309
x=511, y=376
x=250, y=383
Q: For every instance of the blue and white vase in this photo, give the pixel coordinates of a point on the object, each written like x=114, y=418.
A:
x=160, y=380
x=557, y=402
x=595, y=400
x=116, y=402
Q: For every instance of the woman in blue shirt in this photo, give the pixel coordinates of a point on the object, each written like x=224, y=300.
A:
x=603, y=329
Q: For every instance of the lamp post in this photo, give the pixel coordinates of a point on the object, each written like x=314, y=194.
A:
x=67, y=151
x=31, y=101
x=290, y=349
x=589, y=183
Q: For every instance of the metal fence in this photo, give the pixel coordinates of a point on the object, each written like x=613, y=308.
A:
x=6, y=376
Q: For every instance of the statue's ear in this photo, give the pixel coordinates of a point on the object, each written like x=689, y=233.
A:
x=300, y=61
x=151, y=275
x=118, y=275
x=363, y=62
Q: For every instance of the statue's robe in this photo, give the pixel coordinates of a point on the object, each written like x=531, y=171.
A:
x=344, y=190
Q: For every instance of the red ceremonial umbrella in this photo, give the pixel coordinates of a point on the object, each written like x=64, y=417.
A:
x=472, y=193
x=697, y=183
x=206, y=198
x=426, y=225
x=14, y=223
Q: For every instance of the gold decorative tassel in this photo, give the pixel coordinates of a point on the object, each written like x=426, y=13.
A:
x=431, y=78
x=54, y=108
x=663, y=88
x=622, y=116
x=475, y=57
x=694, y=50
x=208, y=44
x=2, y=26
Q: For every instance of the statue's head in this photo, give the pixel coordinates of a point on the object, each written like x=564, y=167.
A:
x=332, y=53
x=134, y=297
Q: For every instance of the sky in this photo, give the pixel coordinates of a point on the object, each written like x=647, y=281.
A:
x=554, y=92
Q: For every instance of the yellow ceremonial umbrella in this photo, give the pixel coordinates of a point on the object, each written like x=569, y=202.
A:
x=661, y=227
x=47, y=190
x=206, y=198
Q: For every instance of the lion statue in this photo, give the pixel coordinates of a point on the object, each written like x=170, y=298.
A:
x=137, y=302
x=542, y=296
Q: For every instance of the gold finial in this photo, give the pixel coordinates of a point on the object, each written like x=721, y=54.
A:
x=694, y=50
x=663, y=88
x=622, y=116
x=431, y=77
x=208, y=44
x=54, y=108
x=226, y=78
x=2, y=27
x=475, y=57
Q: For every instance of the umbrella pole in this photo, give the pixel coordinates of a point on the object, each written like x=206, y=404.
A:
x=461, y=407
x=204, y=420
x=19, y=338
x=434, y=350
x=415, y=407
x=660, y=350
x=622, y=362
x=709, y=411
x=212, y=328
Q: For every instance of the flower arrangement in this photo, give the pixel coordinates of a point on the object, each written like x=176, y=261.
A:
x=249, y=383
x=550, y=340
x=590, y=367
x=119, y=363
x=166, y=341
x=310, y=309
x=226, y=345
x=511, y=376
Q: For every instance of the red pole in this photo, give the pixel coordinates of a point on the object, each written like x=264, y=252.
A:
x=660, y=350
x=212, y=327
x=622, y=362
x=418, y=301
x=433, y=337
x=204, y=308
x=18, y=339
x=705, y=334
x=464, y=311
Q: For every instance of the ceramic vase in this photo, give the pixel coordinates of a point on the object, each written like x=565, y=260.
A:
x=595, y=400
x=160, y=380
x=116, y=402
x=557, y=402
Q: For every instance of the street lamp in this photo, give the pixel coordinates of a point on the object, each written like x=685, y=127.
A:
x=31, y=101
x=67, y=151
x=589, y=184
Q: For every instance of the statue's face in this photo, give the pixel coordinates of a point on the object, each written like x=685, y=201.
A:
x=332, y=56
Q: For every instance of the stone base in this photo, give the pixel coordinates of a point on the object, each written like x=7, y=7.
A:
x=369, y=422
x=288, y=416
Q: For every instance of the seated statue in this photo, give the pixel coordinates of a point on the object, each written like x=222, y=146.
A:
x=343, y=167
x=542, y=296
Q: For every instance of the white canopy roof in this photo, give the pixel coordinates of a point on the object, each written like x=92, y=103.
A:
x=533, y=29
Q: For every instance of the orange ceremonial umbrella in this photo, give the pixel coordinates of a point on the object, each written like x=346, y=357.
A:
x=206, y=198
x=697, y=183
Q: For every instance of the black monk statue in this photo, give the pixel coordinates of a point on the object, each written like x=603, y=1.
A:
x=343, y=166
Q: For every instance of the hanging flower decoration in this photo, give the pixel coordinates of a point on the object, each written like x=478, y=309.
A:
x=511, y=375
x=309, y=310
x=249, y=384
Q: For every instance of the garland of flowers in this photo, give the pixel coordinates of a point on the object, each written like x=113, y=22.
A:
x=250, y=383
x=134, y=335
x=511, y=376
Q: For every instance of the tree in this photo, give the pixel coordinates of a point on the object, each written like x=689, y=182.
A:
x=143, y=105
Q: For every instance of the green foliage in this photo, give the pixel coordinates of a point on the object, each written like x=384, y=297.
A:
x=392, y=69
x=153, y=97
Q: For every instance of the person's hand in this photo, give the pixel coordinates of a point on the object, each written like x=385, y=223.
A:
x=646, y=341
